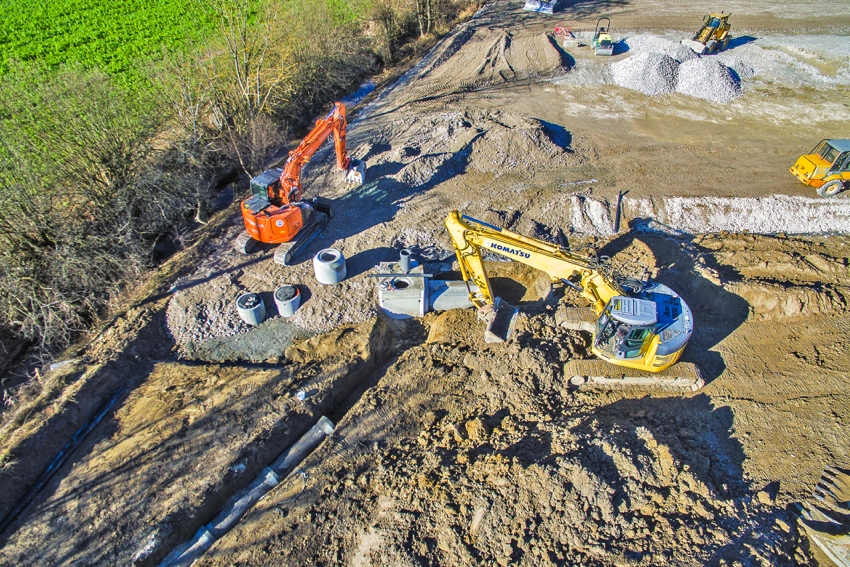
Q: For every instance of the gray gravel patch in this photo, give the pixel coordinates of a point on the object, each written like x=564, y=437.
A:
x=648, y=43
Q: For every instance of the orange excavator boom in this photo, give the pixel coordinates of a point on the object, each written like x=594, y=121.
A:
x=275, y=213
x=334, y=123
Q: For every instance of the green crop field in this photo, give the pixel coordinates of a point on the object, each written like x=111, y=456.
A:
x=115, y=36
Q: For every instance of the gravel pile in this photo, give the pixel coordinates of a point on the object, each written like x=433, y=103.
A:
x=653, y=44
x=656, y=72
x=650, y=73
x=709, y=79
x=737, y=64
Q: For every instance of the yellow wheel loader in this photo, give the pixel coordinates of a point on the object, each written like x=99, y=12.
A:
x=826, y=168
x=713, y=36
x=639, y=328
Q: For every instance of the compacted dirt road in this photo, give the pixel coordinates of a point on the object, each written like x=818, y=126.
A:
x=451, y=451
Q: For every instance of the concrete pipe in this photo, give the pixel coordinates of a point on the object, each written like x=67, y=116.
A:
x=242, y=502
x=239, y=504
x=290, y=458
x=199, y=545
x=404, y=260
x=287, y=298
x=329, y=266
x=251, y=308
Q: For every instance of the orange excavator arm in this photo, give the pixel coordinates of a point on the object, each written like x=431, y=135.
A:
x=334, y=122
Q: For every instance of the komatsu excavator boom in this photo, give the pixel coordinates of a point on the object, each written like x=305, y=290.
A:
x=639, y=328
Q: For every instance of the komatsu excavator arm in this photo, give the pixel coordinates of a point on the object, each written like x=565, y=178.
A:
x=582, y=273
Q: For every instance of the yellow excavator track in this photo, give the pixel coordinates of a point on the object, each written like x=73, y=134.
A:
x=595, y=374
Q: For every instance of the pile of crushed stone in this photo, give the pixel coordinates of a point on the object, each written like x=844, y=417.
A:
x=204, y=312
x=648, y=43
x=657, y=73
x=709, y=79
x=648, y=72
x=420, y=151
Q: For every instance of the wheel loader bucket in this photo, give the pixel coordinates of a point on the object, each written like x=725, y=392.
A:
x=501, y=319
x=826, y=516
x=356, y=172
x=697, y=47
x=541, y=6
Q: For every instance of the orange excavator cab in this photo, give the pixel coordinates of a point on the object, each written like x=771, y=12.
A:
x=275, y=212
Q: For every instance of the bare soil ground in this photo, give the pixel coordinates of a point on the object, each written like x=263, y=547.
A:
x=450, y=451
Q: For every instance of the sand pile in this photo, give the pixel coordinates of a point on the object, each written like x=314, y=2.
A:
x=494, y=56
x=709, y=79
x=648, y=43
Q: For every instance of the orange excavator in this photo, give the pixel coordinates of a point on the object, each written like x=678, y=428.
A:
x=275, y=213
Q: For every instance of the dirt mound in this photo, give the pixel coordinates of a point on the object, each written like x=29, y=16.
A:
x=423, y=150
x=486, y=56
x=469, y=454
x=779, y=302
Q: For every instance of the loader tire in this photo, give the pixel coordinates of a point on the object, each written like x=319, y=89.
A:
x=831, y=189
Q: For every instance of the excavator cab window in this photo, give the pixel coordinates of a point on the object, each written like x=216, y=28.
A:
x=621, y=339
x=259, y=190
x=827, y=153
x=842, y=163
x=714, y=23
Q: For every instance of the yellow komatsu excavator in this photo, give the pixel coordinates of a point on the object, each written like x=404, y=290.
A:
x=639, y=328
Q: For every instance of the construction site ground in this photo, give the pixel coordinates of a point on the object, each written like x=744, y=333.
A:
x=448, y=450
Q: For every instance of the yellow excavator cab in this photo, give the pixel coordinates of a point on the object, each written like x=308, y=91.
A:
x=638, y=328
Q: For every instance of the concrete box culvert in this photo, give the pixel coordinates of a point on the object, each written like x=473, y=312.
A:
x=329, y=266
x=251, y=308
x=288, y=299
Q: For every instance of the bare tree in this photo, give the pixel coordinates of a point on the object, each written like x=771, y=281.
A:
x=250, y=73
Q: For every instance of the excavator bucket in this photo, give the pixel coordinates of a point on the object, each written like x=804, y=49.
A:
x=541, y=6
x=356, y=172
x=501, y=319
x=826, y=516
